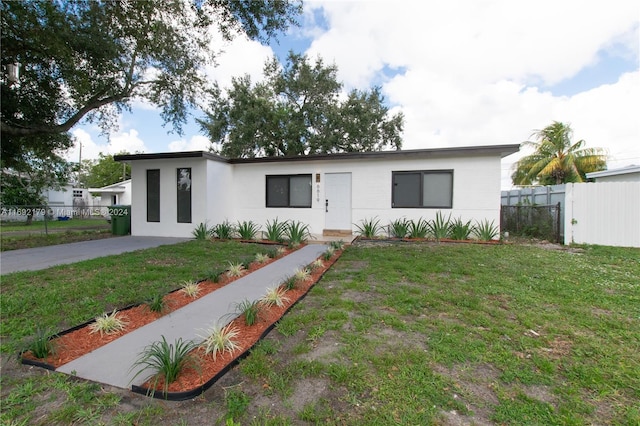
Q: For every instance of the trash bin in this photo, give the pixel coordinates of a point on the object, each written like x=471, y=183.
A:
x=120, y=220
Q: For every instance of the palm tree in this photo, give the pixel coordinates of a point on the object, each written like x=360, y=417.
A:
x=556, y=159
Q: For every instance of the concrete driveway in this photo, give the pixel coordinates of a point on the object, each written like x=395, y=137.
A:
x=44, y=257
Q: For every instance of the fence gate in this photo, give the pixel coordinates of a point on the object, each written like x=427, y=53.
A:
x=532, y=221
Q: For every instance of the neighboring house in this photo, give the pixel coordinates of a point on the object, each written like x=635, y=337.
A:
x=115, y=194
x=66, y=202
x=174, y=192
x=625, y=174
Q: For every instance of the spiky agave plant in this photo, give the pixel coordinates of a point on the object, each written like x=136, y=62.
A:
x=302, y=274
x=317, y=264
x=274, y=296
x=236, y=270
x=217, y=339
x=262, y=257
x=108, y=324
x=191, y=289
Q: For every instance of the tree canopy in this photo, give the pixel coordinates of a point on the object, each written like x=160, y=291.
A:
x=25, y=185
x=297, y=110
x=557, y=159
x=89, y=59
x=103, y=171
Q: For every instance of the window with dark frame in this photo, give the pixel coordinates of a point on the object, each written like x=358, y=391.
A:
x=153, y=195
x=288, y=191
x=184, y=194
x=422, y=189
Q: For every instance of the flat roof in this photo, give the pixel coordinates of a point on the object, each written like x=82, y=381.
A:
x=502, y=150
x=614, y=172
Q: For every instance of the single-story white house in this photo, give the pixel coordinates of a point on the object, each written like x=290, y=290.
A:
x=116, y=194
x=174, y=192
x=624, y=174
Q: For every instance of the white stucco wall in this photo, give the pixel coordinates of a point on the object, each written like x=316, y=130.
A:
x=237, y=192
x=168, y=225
x=476, y=189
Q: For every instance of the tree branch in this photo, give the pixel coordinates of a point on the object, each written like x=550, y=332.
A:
x=94, y=103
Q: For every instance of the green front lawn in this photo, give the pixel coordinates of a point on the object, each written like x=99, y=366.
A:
x=404, y=334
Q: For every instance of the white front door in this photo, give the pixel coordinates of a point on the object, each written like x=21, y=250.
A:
x=337, y=188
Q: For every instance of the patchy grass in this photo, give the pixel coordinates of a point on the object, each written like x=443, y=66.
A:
x=11, y=241
x=64, y=296
x=410, y=334
x=39, y=225
x=19, y=235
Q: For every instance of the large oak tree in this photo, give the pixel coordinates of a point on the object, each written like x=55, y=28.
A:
x=88, y=60
x=297, y=110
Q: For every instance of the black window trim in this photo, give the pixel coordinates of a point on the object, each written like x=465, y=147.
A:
x=288, y=176
x=421, y=191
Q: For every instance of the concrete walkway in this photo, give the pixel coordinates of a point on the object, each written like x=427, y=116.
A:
x=45, y=257
x=112, y=364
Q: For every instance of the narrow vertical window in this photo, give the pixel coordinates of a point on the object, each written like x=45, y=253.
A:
x=153, y=195
x=184, y=195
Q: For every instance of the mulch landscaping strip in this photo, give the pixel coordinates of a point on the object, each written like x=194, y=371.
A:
x=191, y=393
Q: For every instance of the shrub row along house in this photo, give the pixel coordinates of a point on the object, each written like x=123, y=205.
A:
x=174, y=192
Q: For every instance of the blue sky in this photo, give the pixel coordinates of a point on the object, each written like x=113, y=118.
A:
x=463, y=73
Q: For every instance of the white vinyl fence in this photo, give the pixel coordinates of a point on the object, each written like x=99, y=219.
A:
x=605, y=213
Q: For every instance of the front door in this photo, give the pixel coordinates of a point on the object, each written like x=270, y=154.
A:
x=337, y=201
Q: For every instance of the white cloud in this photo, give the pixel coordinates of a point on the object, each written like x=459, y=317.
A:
x=239, y=57
x=120, y=141
x=195, y=143
x=472, y=41
x=472, y=71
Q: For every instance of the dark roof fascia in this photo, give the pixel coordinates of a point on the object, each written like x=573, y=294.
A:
x=503, y=150
x=171, y=155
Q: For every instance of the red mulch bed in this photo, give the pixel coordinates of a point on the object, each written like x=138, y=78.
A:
x=78, y=342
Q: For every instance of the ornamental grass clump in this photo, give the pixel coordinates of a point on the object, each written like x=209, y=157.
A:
x=296, y=233
x=191, y=289
x=250, y=310
x=417, y=228
x=302, y=274
x=156, y=303
x=274, y=296
x=337, y=245
x=108, y=324
x=439, y=227
x=290, y=283
x=224, y=231
x=248, y=230
x=328, y=253
x=41, y=346
x=460, y=230
x=317, y=264
x=399, y=228
x=486, y=231
x=219, y=339
x=214, y=275
x=275, y=230
x=202, y=232
x=236, y=270
x=369, y=228
x=166, y=360
x=262, y=257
